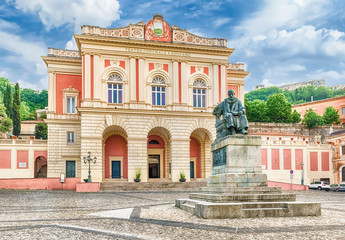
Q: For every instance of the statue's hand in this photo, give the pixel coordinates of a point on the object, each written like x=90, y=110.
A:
x=235, y=113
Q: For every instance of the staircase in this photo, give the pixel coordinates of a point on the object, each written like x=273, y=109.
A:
x=152, y=186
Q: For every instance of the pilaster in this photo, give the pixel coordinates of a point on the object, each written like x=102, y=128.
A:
x=87, y=76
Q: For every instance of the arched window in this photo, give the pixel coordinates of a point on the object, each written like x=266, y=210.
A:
x=158, y=91
x=115, y=89
x=199, y=93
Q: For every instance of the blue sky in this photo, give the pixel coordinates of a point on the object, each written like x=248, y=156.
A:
x=280, y=41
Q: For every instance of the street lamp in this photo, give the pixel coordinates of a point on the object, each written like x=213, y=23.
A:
x=302, y=175
x=89, y=160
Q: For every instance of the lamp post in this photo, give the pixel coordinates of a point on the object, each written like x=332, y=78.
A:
x=88, y=159
x=302, y=175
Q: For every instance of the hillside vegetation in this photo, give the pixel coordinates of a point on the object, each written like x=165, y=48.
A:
x=299, y=95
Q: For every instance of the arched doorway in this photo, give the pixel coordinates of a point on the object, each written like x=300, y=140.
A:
x=40, y=167
x=158, y=147
x=200, y=155
x=156, y=157
x=115, y=160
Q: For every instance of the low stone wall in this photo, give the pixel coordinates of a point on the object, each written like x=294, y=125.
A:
x=288, y=186
x=39, y=183
x=88, y=187
x=316, y=134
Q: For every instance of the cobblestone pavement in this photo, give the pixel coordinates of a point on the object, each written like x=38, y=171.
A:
x=152, y=215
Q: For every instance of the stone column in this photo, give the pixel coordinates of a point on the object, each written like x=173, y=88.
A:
x=87, y=76
x=132, y=80
x=52, y=92
x=137, y=157
x=175, y=82
x=97, y=81
x=180, y=158
x=215, y=86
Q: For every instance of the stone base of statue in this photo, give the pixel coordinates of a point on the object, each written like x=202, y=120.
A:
x=237, y=188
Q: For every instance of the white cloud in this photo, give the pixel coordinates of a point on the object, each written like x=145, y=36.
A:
x=8, y=25
x=331, y=74
x=71, y=45
x=55, y=13
x=283, y=14
x=221, y=21
x=28, y=51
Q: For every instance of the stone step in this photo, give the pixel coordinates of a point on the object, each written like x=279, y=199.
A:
x=223, y=198
x=242, y=190
x=165, y=185
x=265, y=212
x=265, y=205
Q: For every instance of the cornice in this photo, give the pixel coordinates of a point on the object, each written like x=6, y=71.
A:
x=144, y=112
x=237, y=73
x=47, y=60
x=151, y=44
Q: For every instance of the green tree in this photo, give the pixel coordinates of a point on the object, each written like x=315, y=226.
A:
x=295, y=117
x=3, y=85
x=8, y=100
x=24, y=112
x=278, y=108
x=262, y=93
x=331, y=116
x=322, y=92
x=311, y=119
x=41, y=131
x=5, y=121
x=16, y=111
x=256, y=111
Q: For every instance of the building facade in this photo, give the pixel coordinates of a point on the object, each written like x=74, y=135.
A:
x=281, y=153
x=138, y=98
x=338, y=103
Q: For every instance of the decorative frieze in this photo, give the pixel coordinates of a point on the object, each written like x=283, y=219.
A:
x=63, y=53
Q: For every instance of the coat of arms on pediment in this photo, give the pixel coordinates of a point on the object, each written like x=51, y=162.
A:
x=157, y=29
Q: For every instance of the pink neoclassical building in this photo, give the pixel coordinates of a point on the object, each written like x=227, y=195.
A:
x=139, y=98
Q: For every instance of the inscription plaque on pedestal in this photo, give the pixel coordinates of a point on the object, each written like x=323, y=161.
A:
x=219, y=157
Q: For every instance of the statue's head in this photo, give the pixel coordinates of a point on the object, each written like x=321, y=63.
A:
x=231, y=93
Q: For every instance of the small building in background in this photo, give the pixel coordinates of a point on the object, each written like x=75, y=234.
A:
x=338, y=103
x=281, y=153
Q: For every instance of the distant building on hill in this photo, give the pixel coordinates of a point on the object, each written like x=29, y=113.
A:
x=293, y=86
x=311, y=82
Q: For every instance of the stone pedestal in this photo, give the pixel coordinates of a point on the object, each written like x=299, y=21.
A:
x=237, y=188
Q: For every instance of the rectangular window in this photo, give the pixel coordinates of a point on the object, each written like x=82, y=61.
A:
x=343, y=111
x=114, y=93
x=70, y=138
x=71, y=105
x=158, y=96
x=199, y=98
x=342, y=150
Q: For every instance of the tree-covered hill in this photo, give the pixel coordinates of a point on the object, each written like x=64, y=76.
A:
x=31, y=100
x=299, y=95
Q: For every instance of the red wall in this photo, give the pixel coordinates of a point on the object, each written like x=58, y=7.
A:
x=313, y=161
x=325, y=161
x=287, y=159
x=40, y=153
x=5, y=161
x=264, y=157
x=194, y=147
x=64, y=81
x=116, y=146
x=39, y=183
x=275, y=159
x=298, y=159
x=157, y=146
x=23, y=157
